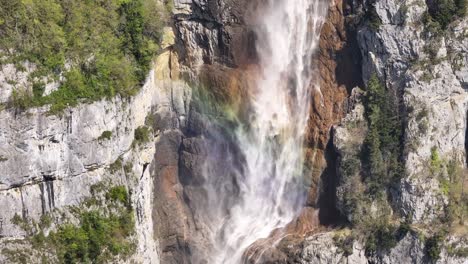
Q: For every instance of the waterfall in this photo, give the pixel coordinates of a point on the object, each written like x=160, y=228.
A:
x=270, y=190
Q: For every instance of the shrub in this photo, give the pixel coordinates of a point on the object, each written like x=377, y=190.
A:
x=433, y=246
x=373, y=18
x=109, y=45
x=116, y=166
x=128, y=167
x=461, y=7
x=350, y=166
x=422, y=114
x=23, y=223
x=382, y=145
x=17, y=220
x=142, y=134
x=345, y=243
x=383, y=236
x=118, y=194
x=101, y=235
x=436, y=162
x=106, y=135
x=444, y=12
x=94, y=237
x=45, y=221
x=453, y=189
x=38, y=89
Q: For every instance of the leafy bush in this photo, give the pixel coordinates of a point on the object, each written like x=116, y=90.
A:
x=345, y=243
x=102, y=233
x=95, y=237
x=383, y=142
x=38, y=89
x=433, y=246
x=373, y=18
x=444, y=12
x=105, y=135
x=116, y=166
x=462, y=7
x=142, y=134
x=350, y=166
x=383, y=236
x=108, y=44
x=118, y=194
x=436, y=162
x=453, y=188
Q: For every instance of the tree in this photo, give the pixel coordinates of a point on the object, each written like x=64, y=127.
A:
x=382, y=144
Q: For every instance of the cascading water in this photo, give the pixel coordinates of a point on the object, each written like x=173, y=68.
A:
x=270, y=190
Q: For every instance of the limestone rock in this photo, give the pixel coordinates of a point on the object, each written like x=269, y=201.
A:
x=434, y=95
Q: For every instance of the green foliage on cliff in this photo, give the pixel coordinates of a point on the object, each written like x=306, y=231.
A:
x=96, y=239
x=106, y=135
x=454, y=188
x=382, y=145
x=369, y=175
x=433, y=246
x=94, y=49
x=443, y=12
x=102, y=232
x=142, y=135
x=101, y=235
x=118, y=194
x=373, y=18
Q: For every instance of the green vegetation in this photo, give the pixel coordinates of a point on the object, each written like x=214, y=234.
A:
x=454, y=189
x=118, y=194
x=102, y=234
x=461, y=252
x=383, y=142
x=433, y=246
x=384, y=235
x=436, y=162
x=101, y=48
x=142, y=135
x=116, y=166
x=16, y=256
x=369, y=175
x=96, y=239
x=45, y=221
x=106, y=135
x=128, y=167
x=373, y=18
x=345, y=243
x=443, y=12
x=22, y=223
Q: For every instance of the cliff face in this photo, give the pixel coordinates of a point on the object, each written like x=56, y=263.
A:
x=425, y=72
x=51, y=163
x=154, y=144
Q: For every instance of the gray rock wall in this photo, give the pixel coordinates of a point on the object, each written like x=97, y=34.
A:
x=49, y=163
x=434, y=92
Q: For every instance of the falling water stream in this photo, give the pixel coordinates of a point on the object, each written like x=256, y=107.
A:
x=270, y=187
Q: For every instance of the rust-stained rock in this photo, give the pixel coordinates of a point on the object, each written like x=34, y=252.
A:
x=339, y=70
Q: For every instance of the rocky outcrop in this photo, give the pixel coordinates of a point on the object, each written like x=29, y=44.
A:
x=338, y=66
x=50, y=163
x=431, y=91
x=210, y=41
x=430, y=72
x=324, y=248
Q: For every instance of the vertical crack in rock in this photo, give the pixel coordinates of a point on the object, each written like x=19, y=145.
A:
x=43, y=200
